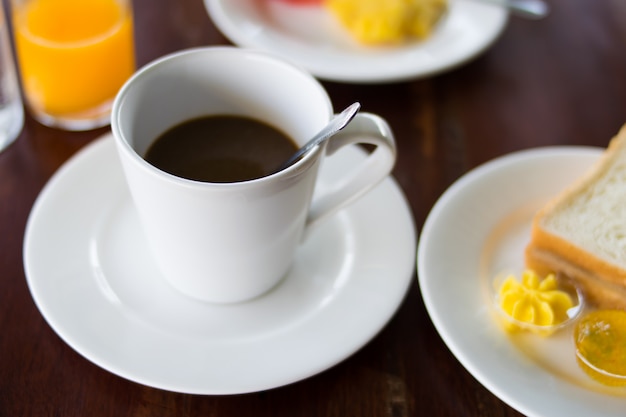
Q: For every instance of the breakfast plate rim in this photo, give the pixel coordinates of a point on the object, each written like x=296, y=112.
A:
x=468, y=30
x=472, y=336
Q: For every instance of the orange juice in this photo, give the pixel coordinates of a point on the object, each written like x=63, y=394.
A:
x=74, y=55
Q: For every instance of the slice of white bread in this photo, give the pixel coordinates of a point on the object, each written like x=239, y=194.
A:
x=581, y=233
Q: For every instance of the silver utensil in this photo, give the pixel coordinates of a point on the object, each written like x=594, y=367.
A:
x=335, y=125
x=531, y=9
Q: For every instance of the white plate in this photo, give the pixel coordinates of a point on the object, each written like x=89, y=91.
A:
x=310, y=37
x=93, y=280
x=477, y=229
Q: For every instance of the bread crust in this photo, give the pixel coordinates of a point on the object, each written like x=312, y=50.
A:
x=603, y=282
x=596, y=291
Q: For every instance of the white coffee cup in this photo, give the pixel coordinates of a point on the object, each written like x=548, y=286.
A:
x=229, y=242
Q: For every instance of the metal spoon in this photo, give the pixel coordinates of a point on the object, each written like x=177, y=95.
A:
x=335, y=125
x=531, y=9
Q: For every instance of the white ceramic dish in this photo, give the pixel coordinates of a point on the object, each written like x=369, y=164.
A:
x=478, y=228
x=310, y=37
x=93, y=280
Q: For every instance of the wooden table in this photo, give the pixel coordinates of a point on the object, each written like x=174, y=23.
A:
x=553, y=82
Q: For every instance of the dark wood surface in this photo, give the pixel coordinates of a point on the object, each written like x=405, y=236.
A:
x=553, y=82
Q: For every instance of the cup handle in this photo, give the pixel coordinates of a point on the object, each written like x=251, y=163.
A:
x=366, y=128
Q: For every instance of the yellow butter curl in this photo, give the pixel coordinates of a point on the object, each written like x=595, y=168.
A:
x=534, y=301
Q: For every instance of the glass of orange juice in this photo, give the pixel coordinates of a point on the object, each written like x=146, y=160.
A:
x=74, y=55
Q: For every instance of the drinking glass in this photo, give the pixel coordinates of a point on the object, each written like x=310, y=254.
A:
x=74, y=55
x=11, y=110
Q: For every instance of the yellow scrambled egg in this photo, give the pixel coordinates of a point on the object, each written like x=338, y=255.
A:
x=388, y=21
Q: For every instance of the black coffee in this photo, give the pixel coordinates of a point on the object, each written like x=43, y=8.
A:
x=221, y=149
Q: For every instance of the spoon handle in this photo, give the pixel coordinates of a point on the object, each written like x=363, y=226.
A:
x=335, y=125
x=531, y=9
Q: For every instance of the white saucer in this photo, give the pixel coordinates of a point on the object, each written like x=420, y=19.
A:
x=93, y=280
x=478, y=229
x=310, y=37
